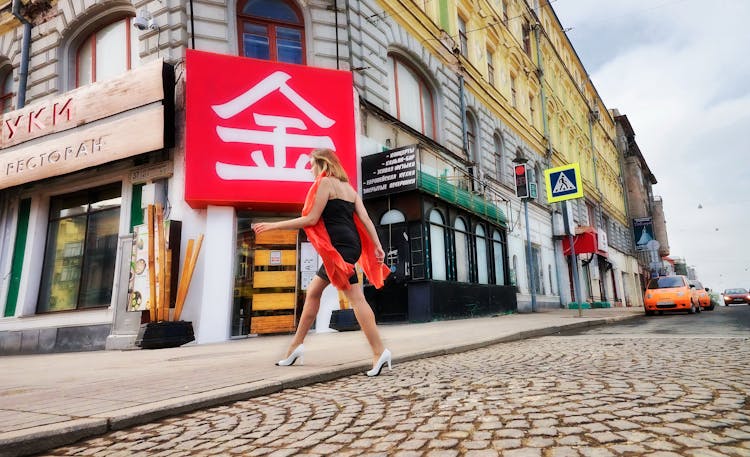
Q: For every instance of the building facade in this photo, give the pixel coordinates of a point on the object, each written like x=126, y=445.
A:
x=447, y=96
x=645, y=209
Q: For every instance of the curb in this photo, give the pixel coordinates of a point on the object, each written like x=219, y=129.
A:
x=43, y=438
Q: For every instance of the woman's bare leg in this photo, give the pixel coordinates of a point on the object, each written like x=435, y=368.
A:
x=366, y=319
x=309, y=311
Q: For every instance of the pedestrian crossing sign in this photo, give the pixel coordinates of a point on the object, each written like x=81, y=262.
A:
x=563, y=183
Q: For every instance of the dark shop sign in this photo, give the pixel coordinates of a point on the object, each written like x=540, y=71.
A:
x=389, y=172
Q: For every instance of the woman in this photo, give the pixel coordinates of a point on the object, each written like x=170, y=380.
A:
x=339, y=228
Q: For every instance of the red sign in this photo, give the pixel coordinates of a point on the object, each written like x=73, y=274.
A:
x=251, y=125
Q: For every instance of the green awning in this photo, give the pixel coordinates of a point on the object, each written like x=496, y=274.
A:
x=471, y=202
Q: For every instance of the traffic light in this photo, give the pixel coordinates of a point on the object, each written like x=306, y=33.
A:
x=522, y=182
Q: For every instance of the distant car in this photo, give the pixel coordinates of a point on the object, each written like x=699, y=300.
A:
x=736, y=296
x=701, y=295
x=670, y=293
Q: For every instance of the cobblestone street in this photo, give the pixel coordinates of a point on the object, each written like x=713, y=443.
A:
x=553, y=396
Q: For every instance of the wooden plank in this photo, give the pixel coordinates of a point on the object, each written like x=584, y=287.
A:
x=84, y=105
x=84, y=148
x=263, y=257
x=267, y=302
x=272, y=324
x=262, y=279
x=277, y=237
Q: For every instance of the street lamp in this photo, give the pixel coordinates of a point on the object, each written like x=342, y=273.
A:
x=519, y=159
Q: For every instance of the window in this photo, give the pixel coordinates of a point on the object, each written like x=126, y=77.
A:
x=526, y=38
x=271, y=30
x=464, y=41
x=483, y=276
x=471, y=137
x=106, y=53
x=437, y=245
x=513, y=90
x=490, y=68
x=462, y=251
x=412, y=98
x=498, y=253
x=79, y=260
x=6, y=96
x=498, y=143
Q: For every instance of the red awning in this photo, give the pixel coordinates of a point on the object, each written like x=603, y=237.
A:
x=585, y=242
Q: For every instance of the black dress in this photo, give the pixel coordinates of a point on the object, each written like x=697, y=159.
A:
x=338, y=218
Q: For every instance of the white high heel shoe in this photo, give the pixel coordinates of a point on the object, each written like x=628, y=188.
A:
x=385, y=357
x=297, y=353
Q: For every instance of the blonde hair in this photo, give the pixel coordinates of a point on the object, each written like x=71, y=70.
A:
x=327, y=162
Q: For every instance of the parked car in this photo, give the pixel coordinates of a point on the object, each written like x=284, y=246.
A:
x=670, y=293
x=736, y=296
x=701, y=295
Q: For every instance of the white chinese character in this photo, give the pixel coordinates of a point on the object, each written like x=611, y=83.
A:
x=276, y=137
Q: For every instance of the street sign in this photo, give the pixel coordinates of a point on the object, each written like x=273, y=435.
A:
x=563, y=183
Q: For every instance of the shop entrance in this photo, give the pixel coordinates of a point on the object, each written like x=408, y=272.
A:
x=266, y=292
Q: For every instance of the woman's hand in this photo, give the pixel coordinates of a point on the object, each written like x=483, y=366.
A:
x=261, y=227
x=379, y=254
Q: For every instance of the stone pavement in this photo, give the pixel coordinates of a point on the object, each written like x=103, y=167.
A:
x=54, y=399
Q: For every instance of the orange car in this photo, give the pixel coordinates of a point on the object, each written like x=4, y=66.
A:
x=701, y=295
x=670, y=293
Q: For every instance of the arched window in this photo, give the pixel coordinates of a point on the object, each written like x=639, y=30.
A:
x=498, y=251
x=392, y=216
x=471, y=137
x=462, y=251
x=437, y=245
x=483, y=276
x=271, y=30
x=108, y=52
x=411, y=97
x=6, y=96
x=498, y=143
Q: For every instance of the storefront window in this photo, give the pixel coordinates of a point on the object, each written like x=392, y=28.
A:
x=482, y=269
x=106, y=53
x=79, y=261
x=271, y=30
x=266, y=286
x=462, y=251
x=437, y=246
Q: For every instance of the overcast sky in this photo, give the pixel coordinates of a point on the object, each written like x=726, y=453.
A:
x=679, y=70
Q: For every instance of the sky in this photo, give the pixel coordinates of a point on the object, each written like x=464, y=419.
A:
x=680, y=71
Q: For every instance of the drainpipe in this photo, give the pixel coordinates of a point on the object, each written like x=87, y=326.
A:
x=23, y=73
x=548, y=154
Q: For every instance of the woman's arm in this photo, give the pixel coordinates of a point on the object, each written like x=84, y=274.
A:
x=359, y=208
x=321, y=198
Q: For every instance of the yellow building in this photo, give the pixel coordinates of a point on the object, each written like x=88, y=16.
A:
x=521, y=75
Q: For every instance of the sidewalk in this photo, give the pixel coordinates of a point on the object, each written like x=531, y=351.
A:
x=54, y=399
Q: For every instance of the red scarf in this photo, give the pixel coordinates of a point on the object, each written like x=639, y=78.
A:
x=338, y=270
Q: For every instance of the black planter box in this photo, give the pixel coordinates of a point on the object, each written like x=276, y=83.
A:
x=158, y=335
x=343, y=320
